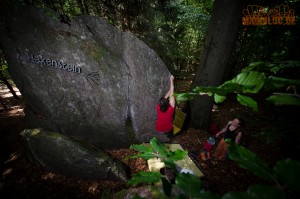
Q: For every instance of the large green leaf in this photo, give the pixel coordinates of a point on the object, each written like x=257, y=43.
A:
x=145, y=156
x=231, y=87
x=278, y=56
x=283, y=65
x=257, y=66
x=172, y=157
x=170, y=163
x=189, y=184
x=141, y=148
x=246, y=82
x=184, y=96
x=158, y=147
x=248, y=101
x=288, y=172
x=145, y=152
x=248, y=160
x=252, y=80
x=219, y=98
x=284, y=99
x=275, y=69
x=145, y=177
x=177, y=154
x=167, y=186
x=210, y=89
x=224, y=89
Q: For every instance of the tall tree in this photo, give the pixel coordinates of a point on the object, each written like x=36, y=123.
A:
x=80, y=4
x=220, y=39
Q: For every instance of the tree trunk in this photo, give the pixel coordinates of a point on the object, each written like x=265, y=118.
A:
x=86, y=7
x=222, y=32
x=3, y=103
x=79, y=2
x=61, y=7
x=8, y=85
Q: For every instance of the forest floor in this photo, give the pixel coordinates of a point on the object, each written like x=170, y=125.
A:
x=19, y=179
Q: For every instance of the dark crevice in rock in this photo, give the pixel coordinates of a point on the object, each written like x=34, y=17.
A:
x=129, y=122
x=89, y=30
x=130, y=130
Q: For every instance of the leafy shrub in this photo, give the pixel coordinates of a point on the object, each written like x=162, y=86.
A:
x=257, y=77
x=285, y=175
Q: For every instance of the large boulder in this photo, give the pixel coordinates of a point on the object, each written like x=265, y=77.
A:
x=84, y=79
x=58, y=153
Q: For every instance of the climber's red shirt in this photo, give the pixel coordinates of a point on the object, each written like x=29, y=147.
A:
x=207, y=146
x=164, y=122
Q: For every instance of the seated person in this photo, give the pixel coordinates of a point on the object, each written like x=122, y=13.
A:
x=230, y=131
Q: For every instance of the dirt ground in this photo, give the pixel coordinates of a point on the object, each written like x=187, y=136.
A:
x=19, y=179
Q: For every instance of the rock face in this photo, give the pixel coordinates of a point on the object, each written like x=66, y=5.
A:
x=85, y=79
x=59, y=153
